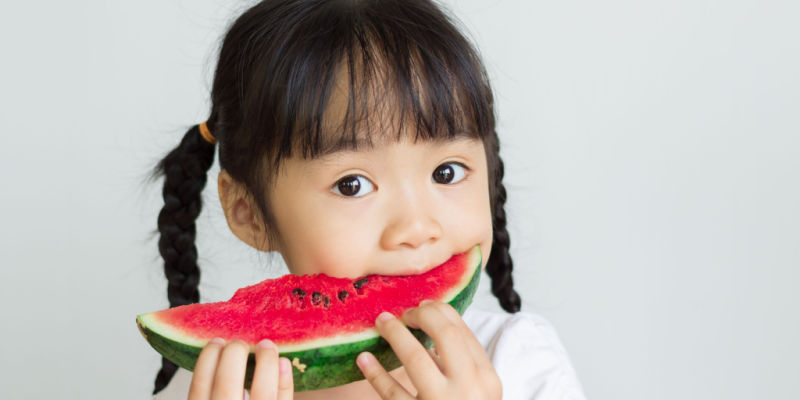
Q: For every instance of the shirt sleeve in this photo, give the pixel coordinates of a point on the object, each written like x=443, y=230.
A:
x=531, y=361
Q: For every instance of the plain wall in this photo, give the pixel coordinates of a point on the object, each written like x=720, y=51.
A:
x=652, y=152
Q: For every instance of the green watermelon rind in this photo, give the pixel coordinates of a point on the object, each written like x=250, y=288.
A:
x=326, y=366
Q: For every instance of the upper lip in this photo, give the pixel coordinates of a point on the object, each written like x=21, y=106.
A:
x=411, y=269
x=414, y=270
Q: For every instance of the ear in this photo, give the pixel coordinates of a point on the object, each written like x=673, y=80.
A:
x=241, y=212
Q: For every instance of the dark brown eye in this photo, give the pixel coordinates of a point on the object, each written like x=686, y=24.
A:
x=351, y=186
x=448, y=173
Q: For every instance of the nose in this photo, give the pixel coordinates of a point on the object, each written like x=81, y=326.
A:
x=411, y=226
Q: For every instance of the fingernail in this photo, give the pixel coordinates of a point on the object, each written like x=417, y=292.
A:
x=426, y=301
x=266, y=344
x=284, y=366
x=217, y=340
x=385, y=316
x=364, y=360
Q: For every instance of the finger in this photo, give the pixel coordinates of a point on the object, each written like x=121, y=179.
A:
x=383, y=383
x=435, y=357
x=265, y=376
x=286, y=380
x=203, y=376
x=447, y=337
x=422, y=370
x=476, y=349
x=229, y=379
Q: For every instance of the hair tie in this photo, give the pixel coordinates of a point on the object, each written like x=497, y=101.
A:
x=206, y=133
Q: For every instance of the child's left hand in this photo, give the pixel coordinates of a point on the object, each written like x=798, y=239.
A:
x=462, y=369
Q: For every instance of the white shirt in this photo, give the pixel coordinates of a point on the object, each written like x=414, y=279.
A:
x=524, y=348
x=527, y=354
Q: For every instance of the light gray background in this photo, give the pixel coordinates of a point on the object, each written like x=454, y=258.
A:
x=652, y=153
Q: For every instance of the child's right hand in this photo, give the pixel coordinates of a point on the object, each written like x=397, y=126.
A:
x=219, y=372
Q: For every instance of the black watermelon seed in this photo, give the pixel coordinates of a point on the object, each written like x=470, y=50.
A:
x=316, y=297
x=343, y=295
x=360, y=283
x=326, y=301
x=299, y=293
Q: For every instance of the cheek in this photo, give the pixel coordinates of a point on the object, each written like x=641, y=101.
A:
x=325, y=240
x=470, y=219
x=479, y=224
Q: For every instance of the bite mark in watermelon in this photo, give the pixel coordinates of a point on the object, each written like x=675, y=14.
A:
x=316, y=321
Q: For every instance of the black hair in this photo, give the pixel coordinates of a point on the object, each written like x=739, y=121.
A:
x=277, y=67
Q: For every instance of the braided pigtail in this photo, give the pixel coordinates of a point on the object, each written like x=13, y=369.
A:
x=185, y=169
x=500, y=265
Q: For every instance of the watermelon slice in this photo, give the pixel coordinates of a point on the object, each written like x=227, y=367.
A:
x=320, y=323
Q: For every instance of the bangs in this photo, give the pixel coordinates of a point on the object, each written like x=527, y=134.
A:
x=348, y=74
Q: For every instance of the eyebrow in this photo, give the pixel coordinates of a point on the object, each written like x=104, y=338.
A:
x=328, y=147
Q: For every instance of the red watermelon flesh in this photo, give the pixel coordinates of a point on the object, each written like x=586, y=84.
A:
x=321, y=320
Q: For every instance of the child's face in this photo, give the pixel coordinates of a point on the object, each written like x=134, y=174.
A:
x=394, y=209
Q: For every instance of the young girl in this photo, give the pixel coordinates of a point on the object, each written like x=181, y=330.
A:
x=356, y=138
